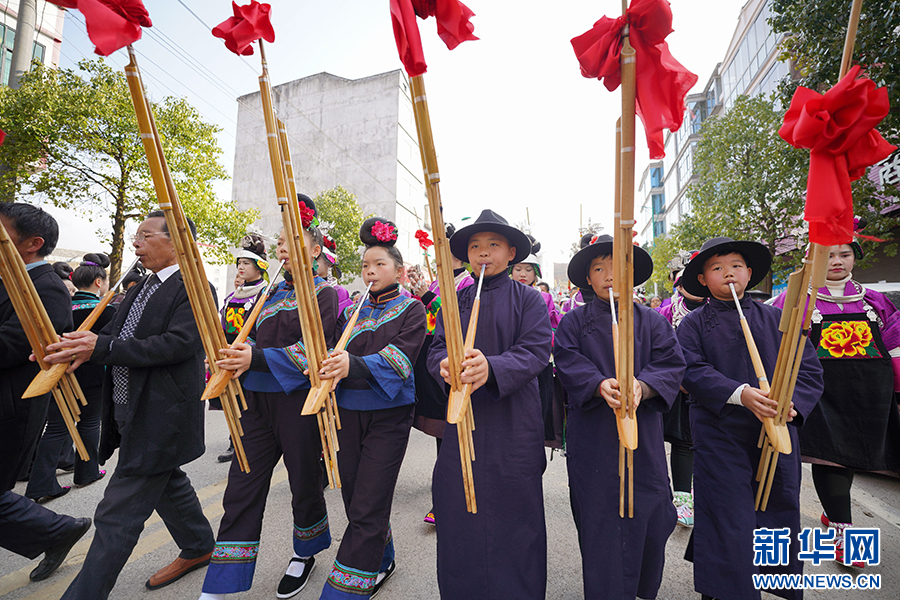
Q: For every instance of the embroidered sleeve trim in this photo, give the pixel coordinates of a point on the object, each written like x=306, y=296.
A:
x=397, y=360
x=297, y=354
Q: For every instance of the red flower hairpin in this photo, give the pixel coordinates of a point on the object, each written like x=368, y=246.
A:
x=307, y=215
x=384, y=232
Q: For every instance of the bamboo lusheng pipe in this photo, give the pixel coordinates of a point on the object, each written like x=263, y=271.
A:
x=626, y=470
x=45, y=381
x=320, y=401
x=188, y=255
x=40, y=333
x=465, y=426
x=219, y=381
x=457, y=407
x=814, y=271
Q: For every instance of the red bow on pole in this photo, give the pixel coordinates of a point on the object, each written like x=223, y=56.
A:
x=839, y=129
x=424, y=241
x=248, y=24
x=111, y=24
x=662, y=82
x=452, y=24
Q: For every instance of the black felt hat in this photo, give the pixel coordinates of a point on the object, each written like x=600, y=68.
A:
x=755, y=254
x=488, y=220
x=602, y=245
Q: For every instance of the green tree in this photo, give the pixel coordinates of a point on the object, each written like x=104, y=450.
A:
x=339, y=208
x=74, y=142
x=815, y=32
x=815, y=42
x=751, y=183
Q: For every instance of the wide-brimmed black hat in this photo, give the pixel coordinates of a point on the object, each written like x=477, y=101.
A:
x=755, y=254
x=488, y=220
x=602, y=245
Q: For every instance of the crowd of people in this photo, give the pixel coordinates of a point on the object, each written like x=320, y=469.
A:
x=542, y=375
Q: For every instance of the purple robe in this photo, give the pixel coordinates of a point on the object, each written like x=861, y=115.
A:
x=501, y=551
x=725, y=439
x=621, y=558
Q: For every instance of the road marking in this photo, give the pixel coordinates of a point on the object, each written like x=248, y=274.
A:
x=147, y=544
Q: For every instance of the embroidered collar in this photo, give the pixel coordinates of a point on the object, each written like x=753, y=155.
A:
x=385, y=295
x=249, y=290
x=860, y=293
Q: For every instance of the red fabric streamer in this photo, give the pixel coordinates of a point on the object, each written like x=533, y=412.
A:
x=111, y=24
x=839, y=129
x=248, y=24
x=662, y=82
x=2, y=136
x=453, y=28
x=424, y=240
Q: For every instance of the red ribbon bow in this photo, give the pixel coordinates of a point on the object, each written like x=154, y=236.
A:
x=424, y=240
x=452, y=24
x=111, y=24
x=662, y=82
x=248, y=24
x=839, y=129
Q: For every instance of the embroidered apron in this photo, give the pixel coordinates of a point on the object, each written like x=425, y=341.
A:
x=857, y=416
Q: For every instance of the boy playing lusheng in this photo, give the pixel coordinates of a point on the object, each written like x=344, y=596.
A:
x=500, y=551
x=726, y=418
x=621, y=558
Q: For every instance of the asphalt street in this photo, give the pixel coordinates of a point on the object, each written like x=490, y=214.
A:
x=876, y=503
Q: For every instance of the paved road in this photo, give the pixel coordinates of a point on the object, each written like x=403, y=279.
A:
x=876, y=504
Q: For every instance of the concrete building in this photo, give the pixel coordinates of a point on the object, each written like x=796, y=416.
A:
x=47, y=39
x=359, y=134
x=750, y=67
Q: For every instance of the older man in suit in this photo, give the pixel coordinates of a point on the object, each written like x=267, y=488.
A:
x=27, y=528
x=152, y=413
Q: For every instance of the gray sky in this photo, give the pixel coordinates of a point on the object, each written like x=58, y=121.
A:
x=515, y=123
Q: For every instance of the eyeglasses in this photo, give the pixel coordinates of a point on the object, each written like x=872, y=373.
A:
x=140, y=237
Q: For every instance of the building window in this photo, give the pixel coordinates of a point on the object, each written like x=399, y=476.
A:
x=659, y=203
x=751, y=56
x=686, y=166
x=659, y=228
x=7, y=42
x=656, y=177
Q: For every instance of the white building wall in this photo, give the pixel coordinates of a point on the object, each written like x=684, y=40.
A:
x=359, y=134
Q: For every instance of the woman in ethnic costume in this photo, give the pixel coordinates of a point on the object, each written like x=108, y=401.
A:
x=252, y=270
x=856, y=425
x=376, y=398
x=91, y=281
x=275, y=386
x=431, y=398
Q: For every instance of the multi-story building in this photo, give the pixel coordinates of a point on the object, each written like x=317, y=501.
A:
x=47, y=40
x=750, y=67
x=359, y=134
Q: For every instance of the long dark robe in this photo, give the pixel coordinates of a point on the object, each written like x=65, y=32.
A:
x=725, y=446
x=501, y=551
x=621, y=558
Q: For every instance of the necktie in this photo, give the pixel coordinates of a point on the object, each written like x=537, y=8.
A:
x=120, y=374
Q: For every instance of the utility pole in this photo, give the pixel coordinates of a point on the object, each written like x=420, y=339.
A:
x=23, y=50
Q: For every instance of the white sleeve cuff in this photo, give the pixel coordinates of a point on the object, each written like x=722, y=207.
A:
x=735, y=397
x=895, y=353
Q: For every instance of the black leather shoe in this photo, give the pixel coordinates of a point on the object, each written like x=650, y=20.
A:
x=57, y=554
